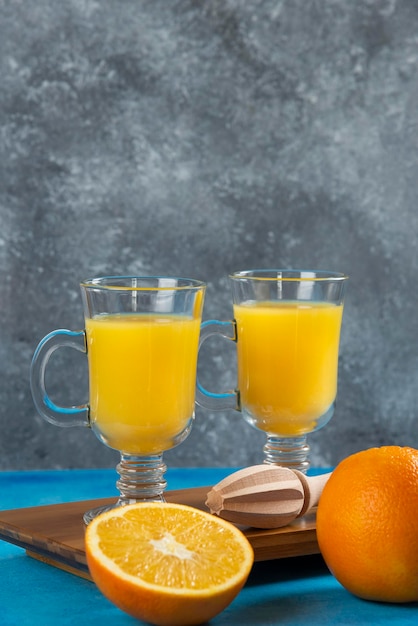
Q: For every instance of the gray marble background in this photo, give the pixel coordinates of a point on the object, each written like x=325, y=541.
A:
x=196, y=138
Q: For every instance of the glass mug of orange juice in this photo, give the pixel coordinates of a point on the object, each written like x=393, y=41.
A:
x=287, y=330
x=141, y=338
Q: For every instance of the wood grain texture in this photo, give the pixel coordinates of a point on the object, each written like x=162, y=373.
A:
x=265, y=496
x=55, y=534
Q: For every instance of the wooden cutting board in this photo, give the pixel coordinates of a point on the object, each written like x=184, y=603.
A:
x=55, y=533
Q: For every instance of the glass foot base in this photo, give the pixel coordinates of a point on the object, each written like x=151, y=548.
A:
x=90, y=515
x=141, y=479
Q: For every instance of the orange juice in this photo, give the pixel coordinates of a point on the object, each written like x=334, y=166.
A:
x=287, y=363
x=142, y=373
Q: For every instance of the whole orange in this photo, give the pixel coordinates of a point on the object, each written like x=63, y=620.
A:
x=367, y=524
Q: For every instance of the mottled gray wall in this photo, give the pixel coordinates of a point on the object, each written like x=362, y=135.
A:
x=195, y=138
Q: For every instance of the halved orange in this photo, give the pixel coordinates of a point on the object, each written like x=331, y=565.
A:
x=167, y=564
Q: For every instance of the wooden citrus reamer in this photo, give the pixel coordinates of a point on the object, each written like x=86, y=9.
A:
x=265, y=496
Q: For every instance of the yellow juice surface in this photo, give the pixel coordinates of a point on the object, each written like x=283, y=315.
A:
x=142, y=376
x=287, y=363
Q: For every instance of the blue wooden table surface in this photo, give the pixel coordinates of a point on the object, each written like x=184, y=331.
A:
x=294, y=592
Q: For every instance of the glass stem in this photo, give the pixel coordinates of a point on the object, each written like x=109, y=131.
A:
x=141, y=479
x=291, y=452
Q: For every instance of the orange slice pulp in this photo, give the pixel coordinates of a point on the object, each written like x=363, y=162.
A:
x=167, y=564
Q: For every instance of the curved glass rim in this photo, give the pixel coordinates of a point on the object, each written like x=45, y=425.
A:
x=288, y=275
x=145, y=283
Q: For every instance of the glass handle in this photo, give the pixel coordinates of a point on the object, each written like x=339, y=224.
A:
x=208, y=399
x=51, y=412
